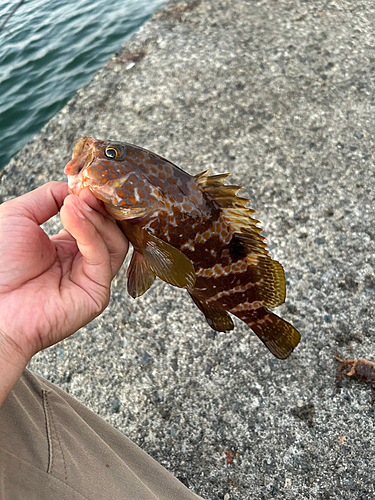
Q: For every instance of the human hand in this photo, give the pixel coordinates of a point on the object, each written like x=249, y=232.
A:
x=51, y=287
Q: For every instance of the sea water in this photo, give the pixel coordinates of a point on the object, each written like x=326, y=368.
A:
x=51, y=48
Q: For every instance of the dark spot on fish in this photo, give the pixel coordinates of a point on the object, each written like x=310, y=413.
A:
x=237, y=249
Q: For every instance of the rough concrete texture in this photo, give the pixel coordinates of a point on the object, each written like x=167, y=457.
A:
x=280, y=94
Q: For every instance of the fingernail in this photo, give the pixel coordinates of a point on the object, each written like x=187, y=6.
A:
x=85, y=206
x=78, y=212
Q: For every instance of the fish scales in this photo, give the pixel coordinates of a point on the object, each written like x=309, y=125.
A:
x=193, y=232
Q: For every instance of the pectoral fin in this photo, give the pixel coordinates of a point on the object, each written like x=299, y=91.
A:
x=140, y=276
x=168, y=263
x=165, y=261
x=216, y=317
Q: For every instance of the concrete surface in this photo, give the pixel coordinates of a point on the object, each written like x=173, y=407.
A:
x=280, y=94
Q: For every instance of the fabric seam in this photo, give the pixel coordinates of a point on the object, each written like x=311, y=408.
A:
x=52, y=427
x=48, y=432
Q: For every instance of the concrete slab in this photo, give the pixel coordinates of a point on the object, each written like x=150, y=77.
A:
x=280, y=94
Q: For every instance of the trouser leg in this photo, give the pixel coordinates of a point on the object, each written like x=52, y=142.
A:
x=51, y=446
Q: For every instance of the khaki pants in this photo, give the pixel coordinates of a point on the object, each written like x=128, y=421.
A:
x=52, y=448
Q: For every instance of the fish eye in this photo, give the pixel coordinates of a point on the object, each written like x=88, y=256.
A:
x=111, y=152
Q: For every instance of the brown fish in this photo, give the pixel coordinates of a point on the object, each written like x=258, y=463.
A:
x=193, y=232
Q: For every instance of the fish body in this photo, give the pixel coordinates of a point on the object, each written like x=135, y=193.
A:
x=193, y=232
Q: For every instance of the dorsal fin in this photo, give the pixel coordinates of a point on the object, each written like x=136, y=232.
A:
x=271, y=279
x=233, y=208
x=224, y=195
x=205, y=180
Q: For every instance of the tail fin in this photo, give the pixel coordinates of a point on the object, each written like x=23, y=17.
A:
x=279, y=336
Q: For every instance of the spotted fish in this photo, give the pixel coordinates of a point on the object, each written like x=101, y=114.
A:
x=193, y=232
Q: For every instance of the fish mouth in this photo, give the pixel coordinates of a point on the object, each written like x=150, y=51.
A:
x=82, y=157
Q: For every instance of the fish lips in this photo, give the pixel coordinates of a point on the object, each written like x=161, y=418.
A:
x=82, y=157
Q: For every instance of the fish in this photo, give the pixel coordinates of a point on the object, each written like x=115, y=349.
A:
x=193, y=232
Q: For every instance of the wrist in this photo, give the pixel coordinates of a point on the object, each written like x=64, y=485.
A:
x=12, y=363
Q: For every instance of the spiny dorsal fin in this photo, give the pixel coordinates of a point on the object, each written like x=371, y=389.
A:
x=233, y=208
x=205, y=180
x=224, y=191
x=224, y=195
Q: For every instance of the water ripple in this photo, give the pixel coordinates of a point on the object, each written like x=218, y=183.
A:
x=48, y=50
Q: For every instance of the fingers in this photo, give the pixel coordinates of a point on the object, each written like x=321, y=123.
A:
x=87, y=196
x=91, y=269
x=100, y=241
x=38, y=205
x=116, y=241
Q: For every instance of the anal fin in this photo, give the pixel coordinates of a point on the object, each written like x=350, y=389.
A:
x=140, y=276
x=216, y=317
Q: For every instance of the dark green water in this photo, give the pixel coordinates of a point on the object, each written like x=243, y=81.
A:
x=51, y=48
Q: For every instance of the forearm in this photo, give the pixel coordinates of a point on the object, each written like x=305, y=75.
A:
x=12, y=364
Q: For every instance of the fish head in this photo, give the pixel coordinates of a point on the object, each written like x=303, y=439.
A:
x=94, y=163
x=119, y=174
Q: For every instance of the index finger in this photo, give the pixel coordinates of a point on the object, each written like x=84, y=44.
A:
x=38, y=205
